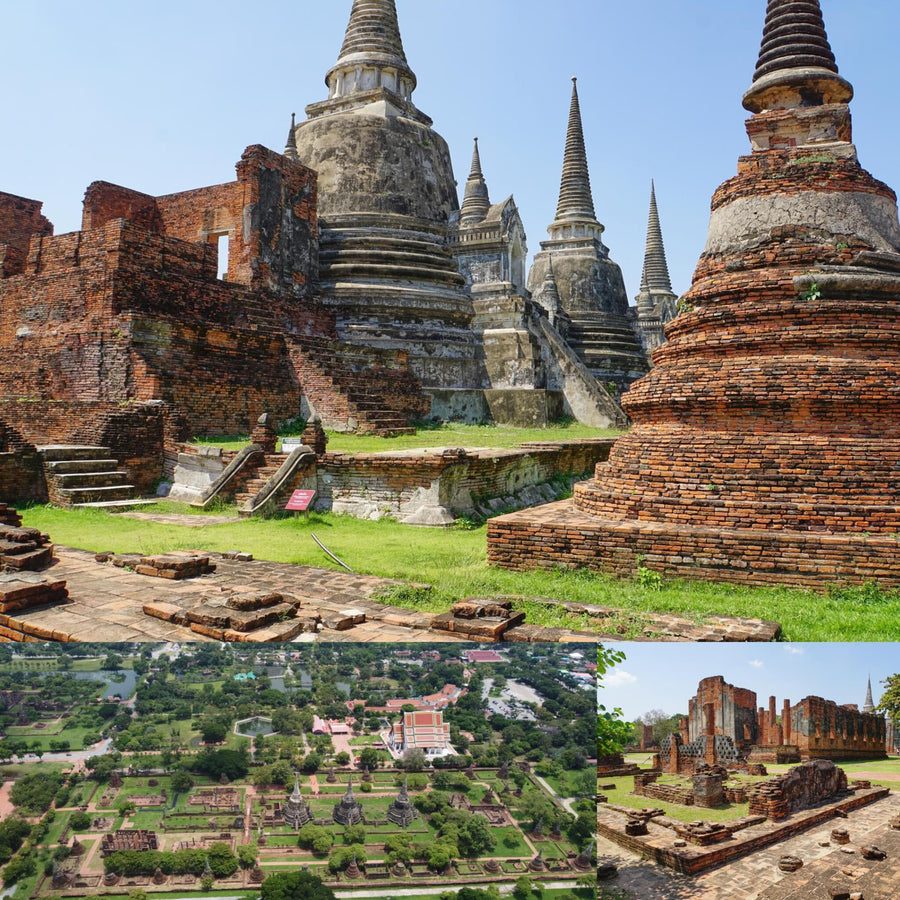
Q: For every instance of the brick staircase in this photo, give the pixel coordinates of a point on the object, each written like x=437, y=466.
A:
x=252, y=487
x=352, y=386
x=85, y=476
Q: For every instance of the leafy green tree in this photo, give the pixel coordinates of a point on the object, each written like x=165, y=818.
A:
x=80, y=821
x=354, y=834
x=522, y=890
x=295, y=886
x=890, y=699
x=315, y=838
x=181, y=781
x=341, y=857
x=369, y=757
x=213, y=731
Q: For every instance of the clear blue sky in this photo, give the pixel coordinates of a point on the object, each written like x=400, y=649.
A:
x=665, y=676
x=164, y=96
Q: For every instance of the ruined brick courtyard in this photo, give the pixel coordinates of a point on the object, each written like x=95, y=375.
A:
x=757, y=876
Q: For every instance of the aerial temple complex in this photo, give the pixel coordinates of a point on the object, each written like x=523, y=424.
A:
x=764, y=446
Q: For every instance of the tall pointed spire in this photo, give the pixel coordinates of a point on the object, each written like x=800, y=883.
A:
x=796, y=66
x=372, y=55
x=296, y=796
x=373, y=31
x=575, y=200
x=290, y=147
x=476, y=202
x=655, y=276
x=869, y=705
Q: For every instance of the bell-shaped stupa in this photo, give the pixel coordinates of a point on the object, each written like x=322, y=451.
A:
x=386, y=194
x=766, y=439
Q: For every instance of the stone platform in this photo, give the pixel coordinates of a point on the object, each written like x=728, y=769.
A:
x=559, y=534
x=757, y=876
x=109, y=602
x=660, y=843
x=846, y=873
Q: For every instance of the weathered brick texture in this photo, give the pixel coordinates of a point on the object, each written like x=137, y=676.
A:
x=131, y=309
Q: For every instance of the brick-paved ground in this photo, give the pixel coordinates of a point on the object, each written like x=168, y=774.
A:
x=757, y=877
x=106, y=603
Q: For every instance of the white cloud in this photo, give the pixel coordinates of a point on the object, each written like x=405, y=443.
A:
x=757, y=663
x=794, y=649
x=618, y=678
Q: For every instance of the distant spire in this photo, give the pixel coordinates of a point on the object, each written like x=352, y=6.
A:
x=655, y=276
x=549, y=289
x=290, y=147
x=476, y=202
x=403, y=795
x=295, y=795
x=796, y=66
x=575, y=200
x=869, y=705
x=348, y=794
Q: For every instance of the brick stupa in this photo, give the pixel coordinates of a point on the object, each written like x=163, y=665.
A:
x=765, y=442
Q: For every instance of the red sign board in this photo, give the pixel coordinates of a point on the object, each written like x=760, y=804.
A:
x=300, y=501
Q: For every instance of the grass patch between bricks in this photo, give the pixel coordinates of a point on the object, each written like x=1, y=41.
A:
x=453, y=562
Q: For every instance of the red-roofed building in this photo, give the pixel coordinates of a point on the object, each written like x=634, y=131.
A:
x=484, y=656
x=448, y=694
x=319, y=726
x=421, y=730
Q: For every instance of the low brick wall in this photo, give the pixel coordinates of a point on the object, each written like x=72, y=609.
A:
x=558, y=534
x=21, y=477
x=432, y=488
x=134, y=432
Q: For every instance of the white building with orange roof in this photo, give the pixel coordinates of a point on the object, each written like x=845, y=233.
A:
x=420, y=730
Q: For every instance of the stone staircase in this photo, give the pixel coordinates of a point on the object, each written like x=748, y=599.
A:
x=351, y=387
x=252, y=487
x=86, y=476
x=608, y=346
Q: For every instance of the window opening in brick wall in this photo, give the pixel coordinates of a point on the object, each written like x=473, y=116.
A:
x=222, y=249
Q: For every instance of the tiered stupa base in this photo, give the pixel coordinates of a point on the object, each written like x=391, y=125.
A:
x=559, y=535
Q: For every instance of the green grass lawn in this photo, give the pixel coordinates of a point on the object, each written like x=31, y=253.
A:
x=453, y=561
x=621, y=796
x=447, y=434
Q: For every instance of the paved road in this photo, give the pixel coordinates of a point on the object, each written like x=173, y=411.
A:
x=567, y=802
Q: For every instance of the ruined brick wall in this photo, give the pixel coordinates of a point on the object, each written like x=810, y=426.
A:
x=459, y=482
x=105, y=202
x=802, y=787
x=133, y=432
x=117, y=314
x=21, y=473
x=645, y=785
x=269, y=215
x=20, y=219
x=723, y=709
x=824, y=730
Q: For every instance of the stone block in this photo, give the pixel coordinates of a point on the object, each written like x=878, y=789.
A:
x=168, y=612
x=254, y=600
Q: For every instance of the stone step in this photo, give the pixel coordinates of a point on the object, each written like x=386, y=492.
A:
x=73, y=496
x=114, y=505
x=71, y=480
x=71, y=466
x=69, y=452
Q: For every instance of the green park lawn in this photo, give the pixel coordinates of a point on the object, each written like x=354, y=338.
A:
x=453, y=561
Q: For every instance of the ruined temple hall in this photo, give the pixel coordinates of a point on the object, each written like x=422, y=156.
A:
x=765, y=442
